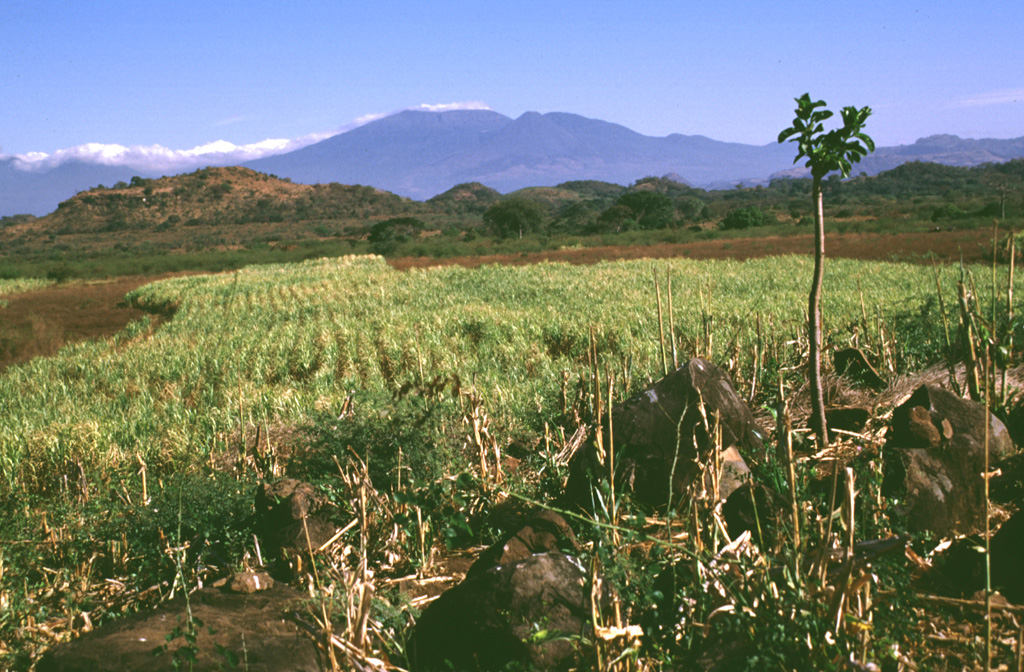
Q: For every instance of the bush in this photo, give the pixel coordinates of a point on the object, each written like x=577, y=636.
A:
x=514, y=217
x=747, y=217
x=947, y=211
x=60, y=273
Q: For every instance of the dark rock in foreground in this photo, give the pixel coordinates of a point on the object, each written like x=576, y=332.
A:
x=935, y=458
x=1008, y=559
x=252, y=629
x=289, y=522
x=541, y=532
x=530, y=612
x=854, y=364
x=661, y=437
x=756, y=508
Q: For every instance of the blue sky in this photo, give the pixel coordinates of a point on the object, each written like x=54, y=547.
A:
x=185, y=74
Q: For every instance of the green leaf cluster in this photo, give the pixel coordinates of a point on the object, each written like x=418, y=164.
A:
x=830, y=151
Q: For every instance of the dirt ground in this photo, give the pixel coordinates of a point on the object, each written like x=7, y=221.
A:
x=40, y=322
x=971, y=245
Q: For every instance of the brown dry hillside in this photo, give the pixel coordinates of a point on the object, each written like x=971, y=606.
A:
x=213, y=208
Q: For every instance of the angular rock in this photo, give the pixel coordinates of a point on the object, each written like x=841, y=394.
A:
x=853, y=363
x=754, y=507
x=1007, y=547
x=846, y=418
x=250, y=629
x=661, y=435
x=935, y=457
x=250, y=582
x=734, y=474
x=530, y=612
x=285, y=511
x=541, y=532
x=960, y=569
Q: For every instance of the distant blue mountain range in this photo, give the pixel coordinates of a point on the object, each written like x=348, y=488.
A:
x=421, y=154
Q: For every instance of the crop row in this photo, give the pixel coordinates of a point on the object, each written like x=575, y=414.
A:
x=272, y=346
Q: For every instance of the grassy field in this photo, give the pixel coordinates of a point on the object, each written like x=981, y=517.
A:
x=273, y=344
x=283, y=368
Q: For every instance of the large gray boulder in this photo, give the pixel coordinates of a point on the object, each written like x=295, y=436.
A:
x=661, y=437
x=934, y=459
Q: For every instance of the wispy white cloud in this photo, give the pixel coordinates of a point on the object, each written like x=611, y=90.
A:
x=424, y=107
x=448, y=107
x=157, y=158
x=992, y=98
x=234, y=119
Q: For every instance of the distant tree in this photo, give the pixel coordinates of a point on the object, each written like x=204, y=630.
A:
x=579, y=217
x=386, y=236
x=514, y=217
x=649, y=209
x=1003, y=183
x=690, y=208
x=836, y=150
x=947, y=211
x=745, y=218
x=615, y=219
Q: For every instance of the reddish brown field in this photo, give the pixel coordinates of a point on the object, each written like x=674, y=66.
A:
x=971, y=245
x=42, y=321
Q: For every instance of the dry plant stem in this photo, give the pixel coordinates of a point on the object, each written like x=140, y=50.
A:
x=598, y=407
x=1009, y=312
x=783, y=432
x=595, y=609
x=950, y=353
x=1020, y=648
x=661, y=327
x=241, y=422
x=671, y=322
x=863, y=310
x=419, y=357
x=323, y=605
x=827, y=539
x=611, y=458
x=971, y=355
x=758, y=355
x=988, y=530
x=841, y=589
x=142, y=472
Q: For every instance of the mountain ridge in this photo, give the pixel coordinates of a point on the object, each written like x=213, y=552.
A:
x=420, y=154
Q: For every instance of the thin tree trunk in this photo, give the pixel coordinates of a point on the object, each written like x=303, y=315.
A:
x=814, y=317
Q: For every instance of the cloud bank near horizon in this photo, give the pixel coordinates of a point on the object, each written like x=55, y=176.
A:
x=157, y=158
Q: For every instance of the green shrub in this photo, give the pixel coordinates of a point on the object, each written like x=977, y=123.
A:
x=745, y=218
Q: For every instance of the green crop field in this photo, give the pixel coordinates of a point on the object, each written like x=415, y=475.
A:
x=276, y=344
x=334, y=357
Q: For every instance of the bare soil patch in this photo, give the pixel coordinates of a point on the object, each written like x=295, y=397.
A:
x=970, y=245
x=40, y=322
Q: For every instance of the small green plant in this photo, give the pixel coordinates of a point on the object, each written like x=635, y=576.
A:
x=826, y=152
